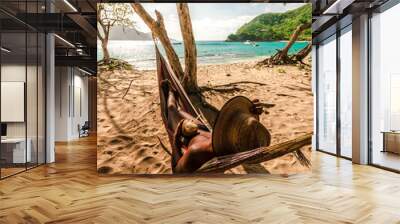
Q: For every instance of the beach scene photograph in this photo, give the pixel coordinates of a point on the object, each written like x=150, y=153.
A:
x=204, y=88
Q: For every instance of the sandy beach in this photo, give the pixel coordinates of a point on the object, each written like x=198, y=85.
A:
x=129, y=120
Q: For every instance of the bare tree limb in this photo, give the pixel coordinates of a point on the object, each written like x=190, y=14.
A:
x=221, y=89
x=303, y=53
x=281, y=57
x=190, y=84
x=127, y=89
x=222, y=163
x=294, y=37
x=158, y=30
x=241, y=82
x=189, y=80
x=99, y=11
x=109, y=15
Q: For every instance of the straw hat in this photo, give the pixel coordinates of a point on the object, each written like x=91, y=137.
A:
x=238, y=129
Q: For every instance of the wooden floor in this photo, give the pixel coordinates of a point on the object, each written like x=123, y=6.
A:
x=70, y=191
x=5, y=172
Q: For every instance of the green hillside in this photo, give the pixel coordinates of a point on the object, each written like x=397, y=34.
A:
x=274, y=26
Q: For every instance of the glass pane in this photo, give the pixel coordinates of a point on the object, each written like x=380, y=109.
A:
x=13, y=86
x=394, y=102
x=41, y=99
x=80, y=105
x=22, y=89
x=327, y=95
x=385, y=114
x=346, y=93
x=31, y=88
x=31, y=98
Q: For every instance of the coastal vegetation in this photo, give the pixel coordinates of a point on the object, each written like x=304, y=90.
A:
x=275, y=26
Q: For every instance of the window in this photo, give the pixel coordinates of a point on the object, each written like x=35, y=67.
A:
x=394, y=102
x=385, y=89
x=327, y=95
x=346, y=75
x=22, y=101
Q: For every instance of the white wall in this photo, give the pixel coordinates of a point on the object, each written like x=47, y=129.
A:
x=14, y=73
x=69, y=112
x=80, y=110
x=33, y=126
x=62, y=81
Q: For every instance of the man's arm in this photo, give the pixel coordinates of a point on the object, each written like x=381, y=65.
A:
x=198, y=152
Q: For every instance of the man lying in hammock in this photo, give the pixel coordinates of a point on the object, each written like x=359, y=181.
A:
x=237, y=128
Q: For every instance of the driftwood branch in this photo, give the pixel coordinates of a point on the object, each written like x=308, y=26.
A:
x=127, y=89
x=282, y=57
x=229, y=87
x=241, y=82
x=302, y=53
x=302, y=158
x=222, y=163
x=221, y=89
x=294, y=37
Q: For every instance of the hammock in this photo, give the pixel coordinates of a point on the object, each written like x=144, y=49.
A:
x=222, y=163
x=164, y=72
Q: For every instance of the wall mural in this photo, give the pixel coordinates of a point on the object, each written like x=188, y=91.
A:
x=204, y=88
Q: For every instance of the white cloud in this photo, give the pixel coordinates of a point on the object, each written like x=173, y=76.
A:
x=209, y=29
x=139, y=24
x=171, y=21
x=172, y=25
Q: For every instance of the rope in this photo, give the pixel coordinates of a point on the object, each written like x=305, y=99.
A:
x=175, y=81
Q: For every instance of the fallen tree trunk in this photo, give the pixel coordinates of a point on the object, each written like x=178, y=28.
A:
x=222, y=163
x=282, y=57
x=302, y=53
x=293, y=38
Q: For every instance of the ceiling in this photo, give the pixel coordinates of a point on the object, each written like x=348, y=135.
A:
x=73, y=22
x=330, y=15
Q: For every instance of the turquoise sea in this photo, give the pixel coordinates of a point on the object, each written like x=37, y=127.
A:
x=141, y=53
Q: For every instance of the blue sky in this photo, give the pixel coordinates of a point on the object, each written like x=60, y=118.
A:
x=211, y=21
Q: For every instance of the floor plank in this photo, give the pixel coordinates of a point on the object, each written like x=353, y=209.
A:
x=71, y=191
